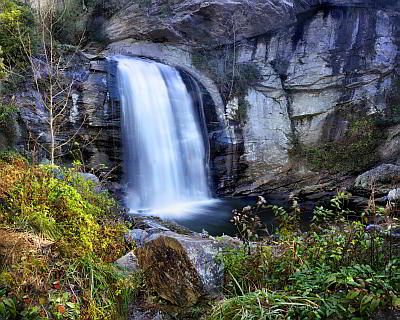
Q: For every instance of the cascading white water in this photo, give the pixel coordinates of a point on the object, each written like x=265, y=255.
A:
x=163, y=146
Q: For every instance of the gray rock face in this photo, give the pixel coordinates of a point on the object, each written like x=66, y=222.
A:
x=91, y=120
x=383, y=174
x=136, y=235
x=324, y=64
x=128, y=262
x=205, y=23
x=198, y=22
x=394, y=195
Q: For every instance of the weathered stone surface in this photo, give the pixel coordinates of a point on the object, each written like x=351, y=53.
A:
x=394, y=195
x=136, y=235
x=319, y=60
x=182, y=269
x=199, y=22
x=91, y=120
x=128, y=262
x=383, y=174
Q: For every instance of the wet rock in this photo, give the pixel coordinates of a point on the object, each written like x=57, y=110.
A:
x=140, y=313
x=383, y=174
x=181, y=269
x=136, y=235
x=374, y=228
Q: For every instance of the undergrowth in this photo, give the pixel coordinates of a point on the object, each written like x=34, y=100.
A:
x=339, y=269
x=59, y=235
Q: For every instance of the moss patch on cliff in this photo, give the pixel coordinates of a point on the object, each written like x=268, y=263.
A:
x=353, y=153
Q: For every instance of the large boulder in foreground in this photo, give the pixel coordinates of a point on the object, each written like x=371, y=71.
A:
x=180, y=268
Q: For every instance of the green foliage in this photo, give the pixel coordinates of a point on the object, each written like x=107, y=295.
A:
x=7, y=111
x=337, y=211
x=16, y=27
x=2, y=66
x=75, y=278
x=70, y=22
x=8, y=125
x=247, y=221
x=334, y=271
x=289, y=220
x=63, y=205
x=263, y=305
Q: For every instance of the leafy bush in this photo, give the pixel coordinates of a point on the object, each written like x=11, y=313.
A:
x=354, y=153
x=336, y=270
x=8, y=124
x=71, y=275
x=16, y=27
x=70, y=22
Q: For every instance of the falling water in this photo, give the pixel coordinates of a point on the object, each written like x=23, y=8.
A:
x=164, y=154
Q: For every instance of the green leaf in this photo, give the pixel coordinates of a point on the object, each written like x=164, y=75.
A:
x=9, y=303
x=395, y=301
x=352, y=294
x=366, y=299
x=375, y=303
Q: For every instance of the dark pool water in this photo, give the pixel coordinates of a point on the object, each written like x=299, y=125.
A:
x=214, y=216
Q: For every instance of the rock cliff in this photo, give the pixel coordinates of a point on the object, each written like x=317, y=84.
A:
x=324, y=68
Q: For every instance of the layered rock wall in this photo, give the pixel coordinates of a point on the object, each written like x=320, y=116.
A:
x=323, y=65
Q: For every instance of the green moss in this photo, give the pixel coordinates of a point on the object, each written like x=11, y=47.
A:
x=355, y=152
x=14, y=15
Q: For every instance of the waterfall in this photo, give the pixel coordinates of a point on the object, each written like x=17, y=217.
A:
x=163, y=147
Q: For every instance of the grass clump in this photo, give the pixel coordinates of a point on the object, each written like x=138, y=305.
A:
x=337, y=270
x=60, y=235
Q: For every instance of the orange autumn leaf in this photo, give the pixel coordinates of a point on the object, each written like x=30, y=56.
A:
x=56, y=284
x=60, y=308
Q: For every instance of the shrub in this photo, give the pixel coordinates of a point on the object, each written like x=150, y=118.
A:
x=333, y=271
x=16, y=27
x=71, y=276
x=70, y=22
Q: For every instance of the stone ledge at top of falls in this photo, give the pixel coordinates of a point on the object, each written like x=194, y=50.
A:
x=208, y=23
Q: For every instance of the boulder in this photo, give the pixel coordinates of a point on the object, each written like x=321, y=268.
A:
x=182, y=269
x=383, y=174
x=128, y=262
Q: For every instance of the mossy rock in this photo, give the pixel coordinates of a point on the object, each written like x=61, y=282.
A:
x=181, y=269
